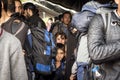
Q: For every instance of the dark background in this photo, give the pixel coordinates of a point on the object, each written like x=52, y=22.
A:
x=71, y=4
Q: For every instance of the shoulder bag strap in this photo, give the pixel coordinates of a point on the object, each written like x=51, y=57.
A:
x=20, y=29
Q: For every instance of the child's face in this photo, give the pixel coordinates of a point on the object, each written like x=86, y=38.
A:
x=60, y=55
x=60, y=39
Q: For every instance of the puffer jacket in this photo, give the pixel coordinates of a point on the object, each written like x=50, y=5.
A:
x=104, y=45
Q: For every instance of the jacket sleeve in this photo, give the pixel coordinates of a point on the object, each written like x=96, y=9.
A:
x=99, y=50
x=55, y=30
x=74, y=69
x=18, y=67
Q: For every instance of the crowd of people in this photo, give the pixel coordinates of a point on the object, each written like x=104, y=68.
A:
x=71, y=41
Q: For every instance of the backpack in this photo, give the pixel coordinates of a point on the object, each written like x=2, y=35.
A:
x=16, y=27
x=85, y=18
x=42, y=45
x=89, y=66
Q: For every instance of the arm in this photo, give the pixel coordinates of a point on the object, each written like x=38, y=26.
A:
x=18, y=67
x=101, y=51
x=55, y=29
x=73, y=71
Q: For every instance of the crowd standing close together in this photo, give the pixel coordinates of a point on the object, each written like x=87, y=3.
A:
x=83, y=46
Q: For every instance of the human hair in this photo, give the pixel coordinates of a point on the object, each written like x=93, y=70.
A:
x=11, y=6
x=60, y=17
x=5, y=4
x=50, y=19
x=56, y=18
x=18, y=1
x=32, y=7
x=60, y=46
x=63, y=35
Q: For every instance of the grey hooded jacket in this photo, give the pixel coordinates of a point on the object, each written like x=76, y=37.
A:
x=12, y=64
x=81, y=20
x=104, y=45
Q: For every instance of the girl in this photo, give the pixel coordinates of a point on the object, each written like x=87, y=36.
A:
x=59, y=63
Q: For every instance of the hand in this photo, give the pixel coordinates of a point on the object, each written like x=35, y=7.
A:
x=72, y=77
x=23, y=52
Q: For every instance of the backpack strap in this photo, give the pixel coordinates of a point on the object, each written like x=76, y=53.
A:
x=20, y=29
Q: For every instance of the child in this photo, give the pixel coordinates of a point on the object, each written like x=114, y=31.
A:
x=59, y=63
x=60, y=37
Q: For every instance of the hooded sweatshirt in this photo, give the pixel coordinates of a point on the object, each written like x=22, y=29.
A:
x=12, y=64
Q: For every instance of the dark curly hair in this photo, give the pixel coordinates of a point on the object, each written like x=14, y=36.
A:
x=32, y=7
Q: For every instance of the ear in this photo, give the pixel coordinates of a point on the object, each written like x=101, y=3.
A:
x=117, y=1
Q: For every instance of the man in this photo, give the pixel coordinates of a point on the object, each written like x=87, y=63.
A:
x=18, y=6
x=12, y=64
x=64, y=23
x=81, y=20
x=38, y=37
x=32, y=15
x=104, y=43
x=15, y=25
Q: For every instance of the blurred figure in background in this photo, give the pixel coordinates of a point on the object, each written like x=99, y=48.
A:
x=57, y=21
x=18, y=6
x=49, y=23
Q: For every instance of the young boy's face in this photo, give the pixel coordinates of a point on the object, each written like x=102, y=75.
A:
x=60, y=39
x=60, y=55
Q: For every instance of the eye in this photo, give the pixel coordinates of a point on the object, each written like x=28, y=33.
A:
x=58, y=39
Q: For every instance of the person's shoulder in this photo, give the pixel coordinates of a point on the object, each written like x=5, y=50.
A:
x=10, y=42
x=9, y=38
x=97, y=16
